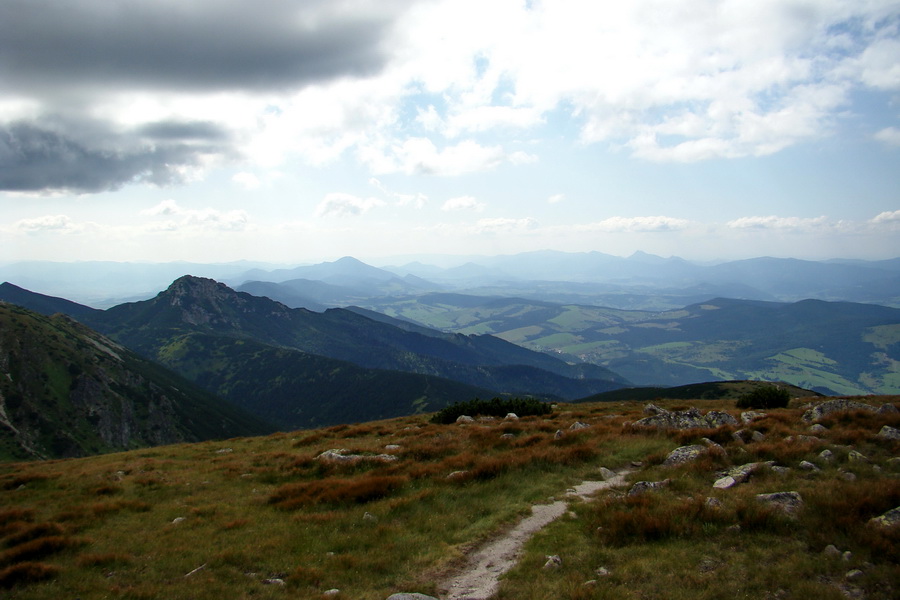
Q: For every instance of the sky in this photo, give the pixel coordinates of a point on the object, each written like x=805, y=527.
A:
x=297, y=132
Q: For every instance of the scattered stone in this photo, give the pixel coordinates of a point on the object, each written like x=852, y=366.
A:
x=708, y=564
x=607, y=474
x=889, y=519
x=340, y=455
x=733, y=528
x=369, y=517
x=853, y=575
x=589, y=583
x=848, y=476
x=602, y=572
x=559, y=433
x=392, y=447
x=817, y=428
x=713, y=446
x=553, y=562
x=684, y=419
x=757, y=436
x=831, y=551
x=808, y=466
x=847, y=556
x=889, y=433
x=410, y=596
x=511, y=417
x=486, y=419
x=578, y=425
x=781, y=470
x=457, y=475
x=713, y=503
x=741, y=436
x=893, y=462
x=642, y=486
x=273, y=581
x=788, y=502
x=752, y=415
x=225, y=451
x=855, y=456
x=331, y=592
x=464, y=419
x=683, y=454
x=826, y=455
x=507, y=436
x=738, y=475
x=810, y=439
x=177, y=520
x=832, y=406
x=888, y=409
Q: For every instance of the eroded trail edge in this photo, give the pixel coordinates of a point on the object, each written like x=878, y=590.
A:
x=480, y=579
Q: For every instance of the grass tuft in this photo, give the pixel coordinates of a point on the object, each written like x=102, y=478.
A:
x=26, y=573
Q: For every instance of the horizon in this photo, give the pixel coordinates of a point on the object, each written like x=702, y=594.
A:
x=220, y=131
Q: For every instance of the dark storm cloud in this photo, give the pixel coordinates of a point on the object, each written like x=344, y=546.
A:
x=38, y=159
x=62, y=57
x=190, y=46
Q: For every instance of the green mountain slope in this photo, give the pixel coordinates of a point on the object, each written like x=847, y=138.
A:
x=69, y=391
x=831, y=347
x=193, y=304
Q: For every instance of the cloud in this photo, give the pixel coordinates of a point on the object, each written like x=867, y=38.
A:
x=463, y=203
x=420, y=156
x=637, y=224
x=248, y=181
x=556, y=198
x=779, y=223
x=57, y=223
x=195, y=219
x=887, y=218
x=340, y=205
x=503, y=225
x=88, y=157
x=889, y=136
x=414, y=200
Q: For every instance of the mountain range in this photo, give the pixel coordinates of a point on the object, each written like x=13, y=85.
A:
x=638, y=282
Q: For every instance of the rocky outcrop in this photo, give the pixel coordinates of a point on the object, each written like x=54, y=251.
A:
x=789, y=503
x=832, y=406
x=340, y=455
x=691, y=418
x=683, y=455
x=889, y=519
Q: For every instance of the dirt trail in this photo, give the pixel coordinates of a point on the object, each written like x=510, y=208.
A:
x=480, y=579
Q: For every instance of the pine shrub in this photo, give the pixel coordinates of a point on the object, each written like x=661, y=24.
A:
x=496, y=407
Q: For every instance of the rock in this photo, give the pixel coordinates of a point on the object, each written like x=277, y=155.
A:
x=225, y=451
x=606, y=474
x=177, y=520
x=713, y=503
x=817, y=428
x=758, y=436
x=889, y=433
x=781, y=470
x=410, y=596
x=331, y=592
x=457, y=475
x=853, y=575
x=831, y=551
x=486, y=419
x=831, y=406
x=847, y=556
x=889, y=519
x=683, y=454
x=578, y=425
x=788, y=502
x=752, y=415
x=464, y=419
x=805, y=465
x=511, y=417
x=273, y=581
x=683, y=419
x=854, y=456
x=602, y=572
x=742, y=436
x=643, y=486
x=826, y=455
x=392, y=447
x=888, y=409
x=590, y=583
x=553, y=562
x=507, y=436
x=559, y=433
x=369, y=517
x=848, y=476
x=339, y=455
x=713, y=446
x=738, y=475
x=810, y=439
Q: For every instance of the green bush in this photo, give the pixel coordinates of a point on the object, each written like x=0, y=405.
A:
x=496, y=407
x=768, y=396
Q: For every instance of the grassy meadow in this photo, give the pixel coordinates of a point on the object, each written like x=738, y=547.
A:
x=264, y=518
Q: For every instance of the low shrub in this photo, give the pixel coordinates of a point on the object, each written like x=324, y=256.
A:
x=496, y=407
x=356, y=490
x=767, y=396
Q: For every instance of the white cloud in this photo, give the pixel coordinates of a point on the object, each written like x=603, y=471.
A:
x=637, y=224
x=463, y=203
x=248, y=181
x=780, y=223
x=556, y=198
x=195, y=219
x=887, y=218
x=340, y=204
x=889, y=136
x=502, y=225
x=57, y=223
x=420, y=156
x=415, y=200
